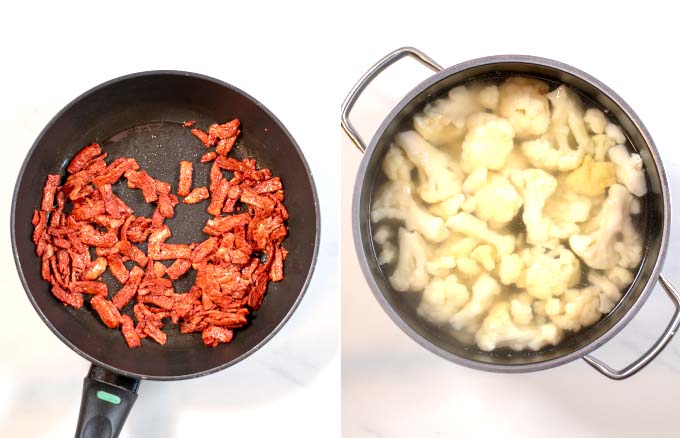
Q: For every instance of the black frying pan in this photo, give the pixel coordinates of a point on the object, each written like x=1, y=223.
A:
x=140, y=115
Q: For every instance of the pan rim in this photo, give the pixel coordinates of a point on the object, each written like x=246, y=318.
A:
x=359, y=238
x=317, y=237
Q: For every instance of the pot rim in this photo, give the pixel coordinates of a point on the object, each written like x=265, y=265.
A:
x=359, y=238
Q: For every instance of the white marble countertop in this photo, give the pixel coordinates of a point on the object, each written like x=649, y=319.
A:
x=394, y=388
x=48, y=62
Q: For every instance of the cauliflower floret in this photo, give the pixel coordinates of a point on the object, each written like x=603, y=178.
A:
x=498, y=330
x=610, y=293
x=542, y=154
x=487, y=143
x=442, y=298
x=549, y=274
x=576, y=309
x=628, y=169
x=442, y=122
x=497, y=201
x=595, y=120
x=483, y=292
x=410, y=274
x=591, y=178
x=521, y=308
x=469, y=205
x=597, y=248
x=456, y=246
x=476, y=228
x=394, y=201
x=382, y=234
x=613, y=131
x=567, y=118
x=523, y=102
x=567, y=206
x=439, y=177
x=484, y=255
x=387, y=254
x=396, y=166
x=476, y=179
x=554, y=150
x=511, y=268
x=538, y=186
x=630, y=247
x=468, y=267
x=601, y=144
x=487, y=96
x=441, y=266
x=449, y=207
x=621, y=277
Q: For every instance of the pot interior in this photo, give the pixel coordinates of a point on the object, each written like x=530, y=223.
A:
x=651, y=222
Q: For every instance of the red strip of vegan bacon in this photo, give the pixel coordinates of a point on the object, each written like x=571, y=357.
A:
x=49, y=190
x=128, y=329
x=83, y=157
x=197, y=195
x=186, y=170
x=107, y=312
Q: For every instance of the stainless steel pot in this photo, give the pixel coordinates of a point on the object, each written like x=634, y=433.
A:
x=654, y=224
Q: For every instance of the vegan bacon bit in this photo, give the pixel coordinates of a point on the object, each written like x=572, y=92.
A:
x=241, y=253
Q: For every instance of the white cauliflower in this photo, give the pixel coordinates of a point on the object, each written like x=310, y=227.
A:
x=448, y=207
x=388, y=253
x=523, y=102
x=410, y=274
x=469, y=205
x=595, y=120
x=511, y=268
x=521, y=308
x=476, y=228
x=396, y=166
x=567, y=118
x=575, y=309
x=621, y=277
x=442, y=122
x=554, y=151
x=616, y=134
x=439, y=177
x=456, y=246
x=628, y=169
x=601, y=144
x=565, y=205
x=597, y=249
x=468, y=268
x=442, y=298
x=484, y=290
x=484, y=255
x=549, y=274
x=629, y=247
x=488, y=142
x=395, y=201
x=441, y=266
x=382, y=234
x=497, y=201
x=538, y=186
x=610, y=293
x=476, y=179
x=499, y=330
x=487, y=96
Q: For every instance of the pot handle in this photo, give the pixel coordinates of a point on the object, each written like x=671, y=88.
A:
x=653, y=351
x=106, y=403
x=368, y=77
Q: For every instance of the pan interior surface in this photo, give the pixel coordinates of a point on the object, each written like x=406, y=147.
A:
x=651, y=223
x=141, y=116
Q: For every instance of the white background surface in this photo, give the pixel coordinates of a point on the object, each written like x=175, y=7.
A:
x=51, y=54
x=394, y=388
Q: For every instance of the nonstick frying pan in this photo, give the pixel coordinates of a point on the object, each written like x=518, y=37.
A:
x=141, y=115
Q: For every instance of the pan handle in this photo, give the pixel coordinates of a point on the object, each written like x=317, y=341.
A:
x=653, y=351
x=368, y=77
x=106, y=403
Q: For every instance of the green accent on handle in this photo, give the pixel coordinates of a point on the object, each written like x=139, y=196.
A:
x=108, y=397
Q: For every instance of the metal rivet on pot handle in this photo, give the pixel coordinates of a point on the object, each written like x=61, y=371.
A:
x=366, y=79
x=653, y=351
